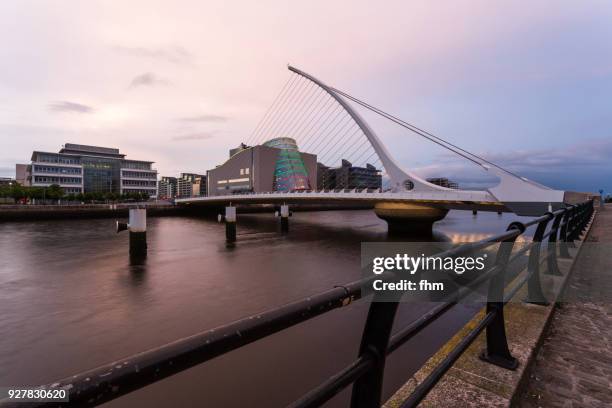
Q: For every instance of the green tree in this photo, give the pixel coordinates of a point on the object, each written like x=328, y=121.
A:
x=54, y=192
x=18, y=192
x=37, y=193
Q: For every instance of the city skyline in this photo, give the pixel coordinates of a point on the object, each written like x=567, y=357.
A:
x=516, y=85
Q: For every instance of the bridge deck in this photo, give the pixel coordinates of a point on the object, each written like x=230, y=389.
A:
x=460, y=199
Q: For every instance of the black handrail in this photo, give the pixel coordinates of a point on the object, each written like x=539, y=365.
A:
x=366, y=372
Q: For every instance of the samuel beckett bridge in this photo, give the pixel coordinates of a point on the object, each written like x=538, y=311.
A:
x=322, y=120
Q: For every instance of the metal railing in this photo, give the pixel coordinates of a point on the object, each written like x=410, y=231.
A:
x=366, y=372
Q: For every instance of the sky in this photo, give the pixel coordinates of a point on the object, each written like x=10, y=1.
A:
x=527, y=85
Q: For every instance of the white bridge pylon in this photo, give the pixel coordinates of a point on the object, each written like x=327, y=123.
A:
x=522, y=196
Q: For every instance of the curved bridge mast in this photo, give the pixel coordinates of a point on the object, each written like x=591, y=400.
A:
x=397, y=175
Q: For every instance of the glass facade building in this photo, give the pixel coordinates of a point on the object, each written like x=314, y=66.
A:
x=276, y=165
x=92, y=169
x=290, y=173
x=348, y=176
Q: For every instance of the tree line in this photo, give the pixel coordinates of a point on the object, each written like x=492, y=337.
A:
x=54, y=192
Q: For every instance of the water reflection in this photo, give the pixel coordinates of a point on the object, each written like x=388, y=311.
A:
x=72, y=299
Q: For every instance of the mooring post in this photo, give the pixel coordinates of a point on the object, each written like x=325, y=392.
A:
x=284, y=217
x=138, y=231
x=474, y=212
x=230, y=224
x=137, y=227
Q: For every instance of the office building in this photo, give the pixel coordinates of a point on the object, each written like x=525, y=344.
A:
x=443, y=182
x=189, y=185
x=92, y=169
x=276, y=165
x=199, y=186
x=186, y=185
x=166, y=188
x=349, y=177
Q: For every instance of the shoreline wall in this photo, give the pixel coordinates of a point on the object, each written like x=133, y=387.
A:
x=10, y=213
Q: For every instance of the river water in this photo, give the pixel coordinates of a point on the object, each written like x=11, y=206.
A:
x=70, y=300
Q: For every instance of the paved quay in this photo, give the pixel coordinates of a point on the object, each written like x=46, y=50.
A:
x=573, y=368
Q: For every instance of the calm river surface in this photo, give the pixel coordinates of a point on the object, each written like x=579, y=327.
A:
x=70, y=301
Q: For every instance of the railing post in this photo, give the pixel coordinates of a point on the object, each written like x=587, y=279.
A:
x=563, y=243
x=534, y=286
x=551, y=255
x=588, y=213
x=578, y=225
x=367, y=390
x=569, y=242
x=497, y=351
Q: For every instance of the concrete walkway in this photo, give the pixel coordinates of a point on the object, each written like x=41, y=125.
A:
x=574, y=366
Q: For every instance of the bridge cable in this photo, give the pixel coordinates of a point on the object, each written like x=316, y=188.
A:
x=335, y=113
x=423, y=133
x=281, y=108
x=310, y=118
x=333, y=149
x=329, y=152
x=343, y=116
x=295, y=110
x=273, y=108
x=282, y=115
x=269, y=110
x=323, y=125
x=304, y=113
x=350, y=142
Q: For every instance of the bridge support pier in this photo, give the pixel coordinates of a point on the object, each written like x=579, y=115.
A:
x=230, y=224
x=137, y=227
x=284, y=218
x=409, y=217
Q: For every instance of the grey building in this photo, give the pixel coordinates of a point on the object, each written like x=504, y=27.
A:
x=199, y=186
x=166, y=188
x=84, y=169
x=190, y=185
x=348, y=176
x=276, y=165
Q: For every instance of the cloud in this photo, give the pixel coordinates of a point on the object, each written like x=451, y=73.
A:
x=194, y=136
x=174, y=54
x=203, y=118
x=594, y=152
x=147, y=79
x=548, y=166
x=66, y=106
x=7, y=171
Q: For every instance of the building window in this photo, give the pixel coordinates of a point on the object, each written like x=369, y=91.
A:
x=247, y=170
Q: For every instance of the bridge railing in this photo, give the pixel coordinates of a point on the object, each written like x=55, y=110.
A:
x=366, y=371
